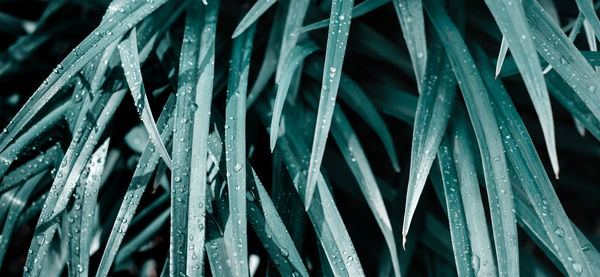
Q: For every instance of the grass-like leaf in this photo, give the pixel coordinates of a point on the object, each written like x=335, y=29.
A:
x=522, y=155
x=190, y=140
x=327, y=223
x=296, y=11
x=73, y=164
x=293, y=60
x=147, y=163
x=410, y=14
x=257, y=10
x=81, y=218
x=433, y=111
x=488, y=137
x=235, y=150
x=339, y=26
x=116, y=23
x=131, y=65
x=557, y=50
x=362, y=8
x=513, y=25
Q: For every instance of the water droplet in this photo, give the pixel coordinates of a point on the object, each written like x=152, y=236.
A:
x=237, y=167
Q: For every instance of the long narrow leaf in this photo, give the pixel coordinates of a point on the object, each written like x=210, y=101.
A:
x=488, y=137
x=339, y=26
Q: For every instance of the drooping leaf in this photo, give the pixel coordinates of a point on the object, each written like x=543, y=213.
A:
x=131, y=65
x=327, y=222
x=533, y=178
x=410, y=14
x=74, y=161
x=142, y=175
x=339, y=27
x=257, y=10
x=513, y=25
x=553, y=45
x=488, y=137
x=293, y=60
x=114, y=25
x=362, y=8
x=438, y=91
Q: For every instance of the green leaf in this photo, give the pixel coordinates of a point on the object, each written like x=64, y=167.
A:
x=141, y=177
x=357, y=160
x=553, y=45
x=433, y=111
x=16, y=208
x=257, y=10
x=114, y=25
x=75, y=159
x=513, y=25
x=501, y=56
x=482, y=258
x=567, y=97
x=353, y=95
x=131, y=65
x=532, y=176
x=362, y=8
x=296, y=11
x=270, y=229
x=190, y=139
x=82, y=216
x=270, y=60
x=235, y=150
x=459, y=232
x=488, y=137
x=323, y=213
x=142, y=237
x=339, y=27
x=410, y=15
x=587, y=9
x=31, y=136
x=292, y=62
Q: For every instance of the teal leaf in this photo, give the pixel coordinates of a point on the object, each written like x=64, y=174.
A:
x=339, y=28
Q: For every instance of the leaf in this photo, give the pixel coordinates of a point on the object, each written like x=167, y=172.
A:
x=142, y=237
x=362, y=8
x=296, y=11
x=488, y=137
x=131, y=65
x=82, y=216
x=34, y=133
x=327, y=222
x=270, y=229
x=293, y=60
x=47, y=160
x=339, y=27
x=269, y=64
x=410, y=15
x=587, y=9
x=16, y=208
x=483, y=261
x=532, y=176
x=567, y=97
x=257, y=10
x=74, y=161
x=190, y=139
x=359, y=165
x=556, y=49
x=459, y=232
x=235, y=151
x=141, y=177
x=112, y=27
x=433, y=111
x=513, y=25
x=353, y=95
x=501, y=56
